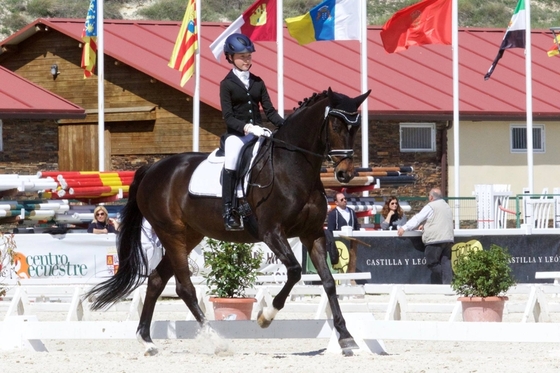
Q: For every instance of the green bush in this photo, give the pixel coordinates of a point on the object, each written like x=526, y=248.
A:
x=483, y=273
x=231, y=268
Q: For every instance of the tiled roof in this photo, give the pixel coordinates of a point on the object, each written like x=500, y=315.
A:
x=415, y=84
x=19, y=98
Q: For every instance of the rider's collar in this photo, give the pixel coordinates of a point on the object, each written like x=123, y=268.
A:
x=243, y=76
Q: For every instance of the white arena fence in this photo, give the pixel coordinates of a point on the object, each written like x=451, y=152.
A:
x=22, y=329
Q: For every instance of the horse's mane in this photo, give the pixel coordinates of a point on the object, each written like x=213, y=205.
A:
x=307, y=102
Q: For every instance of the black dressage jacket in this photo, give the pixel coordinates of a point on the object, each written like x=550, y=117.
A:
x=241, y=106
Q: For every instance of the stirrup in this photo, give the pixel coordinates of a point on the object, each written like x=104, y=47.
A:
x=231, y=223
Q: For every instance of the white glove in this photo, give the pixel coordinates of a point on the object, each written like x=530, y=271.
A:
x=256, y=130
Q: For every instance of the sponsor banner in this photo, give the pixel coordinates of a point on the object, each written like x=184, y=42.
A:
x=400, y=260
x=70, y=258
x=83, y=258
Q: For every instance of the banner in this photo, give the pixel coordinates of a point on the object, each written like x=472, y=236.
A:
x=400, y=260
x=84, y=258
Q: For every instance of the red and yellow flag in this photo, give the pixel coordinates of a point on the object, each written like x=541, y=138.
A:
x=553, y=51
x=89, y=36
x=186, y=45
x=258, y=23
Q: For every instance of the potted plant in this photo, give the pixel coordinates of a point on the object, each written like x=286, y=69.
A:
x=231, y=268
x=481, y=278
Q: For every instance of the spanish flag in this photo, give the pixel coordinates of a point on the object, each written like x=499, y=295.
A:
x=186, y=45
x=89, y=36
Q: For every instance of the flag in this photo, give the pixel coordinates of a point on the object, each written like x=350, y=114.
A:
x=329, y=20
x=426, y=22
x=514, y=37
x=258, y=23
x=186, y=45
x=553, y=51
x=89, y=36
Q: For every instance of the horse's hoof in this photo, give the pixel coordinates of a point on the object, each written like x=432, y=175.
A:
x=262, y=321
x=151, y=351
x=348, y=344
x=347, y=352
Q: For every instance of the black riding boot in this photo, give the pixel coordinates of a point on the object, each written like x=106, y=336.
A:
x=231, y=218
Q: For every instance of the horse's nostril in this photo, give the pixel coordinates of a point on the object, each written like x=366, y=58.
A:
x=342, y=177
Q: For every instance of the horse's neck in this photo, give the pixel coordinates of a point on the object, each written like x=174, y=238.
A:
x=306, y=130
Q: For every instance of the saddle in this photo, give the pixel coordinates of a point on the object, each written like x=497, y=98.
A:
x=207, y=178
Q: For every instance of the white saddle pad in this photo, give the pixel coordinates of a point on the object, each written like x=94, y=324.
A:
x=206, y=181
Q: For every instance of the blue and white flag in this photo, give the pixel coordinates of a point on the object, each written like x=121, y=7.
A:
x=329, y=20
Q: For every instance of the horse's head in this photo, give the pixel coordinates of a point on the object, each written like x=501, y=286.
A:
x=344, y=122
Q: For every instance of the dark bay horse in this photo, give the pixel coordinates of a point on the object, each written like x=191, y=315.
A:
x=286, y=197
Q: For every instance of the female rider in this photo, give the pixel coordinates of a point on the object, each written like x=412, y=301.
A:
x=241, y=93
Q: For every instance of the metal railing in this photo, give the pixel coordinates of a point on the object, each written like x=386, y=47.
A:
x=539, y=210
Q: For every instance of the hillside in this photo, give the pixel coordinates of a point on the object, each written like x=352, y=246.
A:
x=15, y=14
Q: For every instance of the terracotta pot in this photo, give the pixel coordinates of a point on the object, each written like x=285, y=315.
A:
x=232, y=308
x=488, y=309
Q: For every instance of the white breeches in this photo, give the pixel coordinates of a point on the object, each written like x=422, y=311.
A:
x=233, y=146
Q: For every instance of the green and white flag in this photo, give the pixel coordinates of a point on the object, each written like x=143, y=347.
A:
x=514, y=37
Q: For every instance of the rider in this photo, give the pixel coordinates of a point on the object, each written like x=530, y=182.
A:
x=240, y=95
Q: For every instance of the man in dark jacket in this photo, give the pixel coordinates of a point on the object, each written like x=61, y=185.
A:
x=341, y=215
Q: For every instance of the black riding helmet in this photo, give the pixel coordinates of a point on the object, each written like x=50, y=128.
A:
x=237, y=43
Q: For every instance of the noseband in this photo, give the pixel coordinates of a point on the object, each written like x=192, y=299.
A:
x=351, y=119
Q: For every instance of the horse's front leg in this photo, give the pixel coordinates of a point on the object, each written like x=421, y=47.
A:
x=156, y=283
x=318, y=256
x=279, y=245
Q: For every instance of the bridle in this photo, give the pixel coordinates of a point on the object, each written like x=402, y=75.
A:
x=344, y=153
x=351, y=119
x=346, y=116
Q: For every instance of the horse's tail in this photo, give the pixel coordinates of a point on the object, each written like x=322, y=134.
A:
x=133, y=265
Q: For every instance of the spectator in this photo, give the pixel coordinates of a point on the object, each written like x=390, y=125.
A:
x=437, y=236
x=341, y=215
x=101, y=223
x=337, y=218
x=393, y=214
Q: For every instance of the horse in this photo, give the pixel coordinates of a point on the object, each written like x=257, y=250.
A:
x=286, y=198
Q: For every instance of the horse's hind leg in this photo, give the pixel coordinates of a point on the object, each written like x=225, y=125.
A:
x=156, y=283
x=319, y=258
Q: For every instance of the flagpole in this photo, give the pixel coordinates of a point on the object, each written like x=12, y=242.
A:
x=455, y=52
x=280, y=54
x=196, y=96
x=529, y=96
x=364, y=83
x=100, y=87
x=364, y=86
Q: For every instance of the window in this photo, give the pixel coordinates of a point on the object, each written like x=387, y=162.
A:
x=518, y=136
x=418, y=137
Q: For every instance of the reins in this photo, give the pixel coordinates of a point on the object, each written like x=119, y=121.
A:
x=343, y=153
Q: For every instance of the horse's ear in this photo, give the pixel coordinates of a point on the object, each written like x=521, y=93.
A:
x=332, y=97
x=358, y=100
